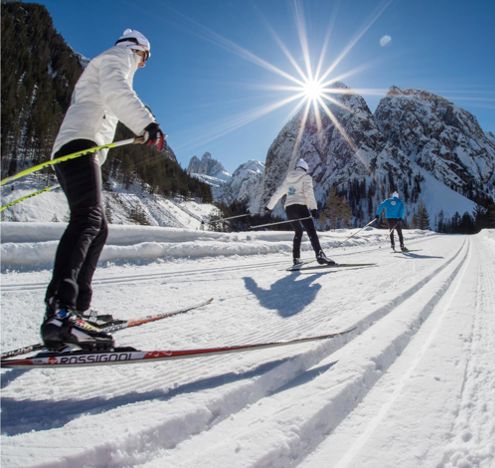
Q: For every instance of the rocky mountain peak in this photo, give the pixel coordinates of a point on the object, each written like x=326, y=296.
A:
x=440, y=137
x=416, y=141
x=208, y=166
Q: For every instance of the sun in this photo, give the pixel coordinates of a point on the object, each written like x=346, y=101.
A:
x=312, y=87
x=312, y=90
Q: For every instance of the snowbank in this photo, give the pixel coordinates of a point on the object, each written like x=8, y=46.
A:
x=34, y=244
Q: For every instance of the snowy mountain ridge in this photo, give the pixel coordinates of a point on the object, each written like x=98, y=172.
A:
x=416, y=142
x=242, y=186
x=442, y=138
x=245, y=185
x=208, y=166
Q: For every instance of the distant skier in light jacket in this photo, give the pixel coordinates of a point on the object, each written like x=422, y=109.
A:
x=393, y=208
x=300, y=203
x=102, y=96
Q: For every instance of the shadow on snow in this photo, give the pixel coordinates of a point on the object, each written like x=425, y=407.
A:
x=289, y=295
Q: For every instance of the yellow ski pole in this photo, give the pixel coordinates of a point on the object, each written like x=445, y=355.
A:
x=29, y=195
x=68, y=157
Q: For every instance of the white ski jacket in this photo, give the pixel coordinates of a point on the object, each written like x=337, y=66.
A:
x=298, y=186
x=102, y=96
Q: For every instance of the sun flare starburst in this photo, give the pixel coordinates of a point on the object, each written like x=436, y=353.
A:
x=315, y=92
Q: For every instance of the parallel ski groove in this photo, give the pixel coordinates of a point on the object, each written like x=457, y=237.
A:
x=168, y=376
x=291, y=450
x=249, y=392
x=471, y=416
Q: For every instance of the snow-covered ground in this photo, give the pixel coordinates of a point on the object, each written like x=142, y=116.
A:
x=412, y=386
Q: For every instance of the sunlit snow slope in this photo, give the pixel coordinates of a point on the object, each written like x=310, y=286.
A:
x=413, y=385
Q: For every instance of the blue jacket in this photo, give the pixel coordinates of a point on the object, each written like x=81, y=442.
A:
x=393, y=207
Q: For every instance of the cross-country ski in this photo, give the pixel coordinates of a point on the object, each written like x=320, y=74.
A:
x=336, y=265
x=133, y=356
x=115, y=326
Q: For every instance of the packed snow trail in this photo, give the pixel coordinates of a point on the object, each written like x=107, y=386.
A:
x=446, y=370
x=327, y=404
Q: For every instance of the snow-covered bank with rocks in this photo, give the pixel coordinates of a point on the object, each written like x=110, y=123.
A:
x=134, y=205
x=412, y=385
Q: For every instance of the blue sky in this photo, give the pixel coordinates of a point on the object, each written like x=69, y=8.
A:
x=205, y=83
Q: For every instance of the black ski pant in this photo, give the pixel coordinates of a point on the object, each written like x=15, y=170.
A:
x=82, y=242
x=395, y=223
x=302, y=211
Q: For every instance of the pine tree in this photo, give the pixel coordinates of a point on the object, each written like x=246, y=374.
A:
x=38, y=74
x=466, y=225
x=490, y=216
x=441, y=222
x=455, y=222
x=479, y=215
x=336, y=210
x=484, y=218
x=422, y=217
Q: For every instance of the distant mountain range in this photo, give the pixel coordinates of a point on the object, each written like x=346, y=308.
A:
x=240, y=187
x=433, y=152
x=430, y=150
x=207, y=166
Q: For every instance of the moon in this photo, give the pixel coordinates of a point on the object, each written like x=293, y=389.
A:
x=385, y=40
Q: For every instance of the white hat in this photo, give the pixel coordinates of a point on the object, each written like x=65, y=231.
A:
x=134, y=40
x=303, y=164
x=395, y=195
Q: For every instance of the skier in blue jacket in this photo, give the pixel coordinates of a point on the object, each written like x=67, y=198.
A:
x=393, y=208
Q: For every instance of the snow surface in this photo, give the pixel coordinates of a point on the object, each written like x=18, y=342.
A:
x=437, y=197
x=412, y=386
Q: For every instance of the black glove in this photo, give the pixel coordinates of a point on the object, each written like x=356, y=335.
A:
x=153, y=136
x=375, y=219
x=314, y=214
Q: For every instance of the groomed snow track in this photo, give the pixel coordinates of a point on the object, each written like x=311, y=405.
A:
x=413, y=385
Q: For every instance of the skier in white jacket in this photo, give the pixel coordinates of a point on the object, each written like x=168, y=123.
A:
x=102, y=96
x=300, y=205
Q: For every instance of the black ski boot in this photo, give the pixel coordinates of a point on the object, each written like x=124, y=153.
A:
x=404, y=249
x=297, y=263
x=63, y=328
x=322, y=259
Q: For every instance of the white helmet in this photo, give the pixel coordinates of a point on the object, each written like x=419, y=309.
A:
x=395, y=195
x=302, y=164
x=135, y=40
